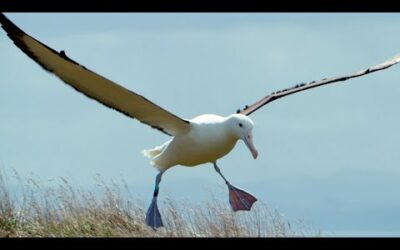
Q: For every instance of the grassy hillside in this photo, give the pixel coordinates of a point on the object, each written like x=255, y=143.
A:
x=65, y=211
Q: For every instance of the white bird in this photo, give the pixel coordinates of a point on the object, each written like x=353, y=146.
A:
x=203, y=139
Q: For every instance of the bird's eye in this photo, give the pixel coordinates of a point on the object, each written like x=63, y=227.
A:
x=240, y=125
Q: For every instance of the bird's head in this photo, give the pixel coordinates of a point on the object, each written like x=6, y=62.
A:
x=241, y=127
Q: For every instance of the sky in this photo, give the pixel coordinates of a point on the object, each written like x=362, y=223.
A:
x=327, y=156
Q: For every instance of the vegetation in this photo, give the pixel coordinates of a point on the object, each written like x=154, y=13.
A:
x=63, y=211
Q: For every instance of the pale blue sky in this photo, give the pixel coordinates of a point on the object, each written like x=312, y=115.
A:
x=328, y=156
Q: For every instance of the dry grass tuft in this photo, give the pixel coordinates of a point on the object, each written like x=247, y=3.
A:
x=64, y=211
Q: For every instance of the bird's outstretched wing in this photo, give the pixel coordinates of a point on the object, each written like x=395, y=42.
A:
x=303, y=86
x=94, y=85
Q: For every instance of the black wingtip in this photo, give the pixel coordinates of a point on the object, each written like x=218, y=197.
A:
x=2, y=17
x=11, y=29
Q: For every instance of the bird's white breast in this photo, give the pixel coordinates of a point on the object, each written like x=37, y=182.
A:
x=207, y=141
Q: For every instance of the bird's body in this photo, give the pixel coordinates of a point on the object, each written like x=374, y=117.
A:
x=208, y=139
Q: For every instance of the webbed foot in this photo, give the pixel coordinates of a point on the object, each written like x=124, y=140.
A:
x=153, y=216
x=240, y=199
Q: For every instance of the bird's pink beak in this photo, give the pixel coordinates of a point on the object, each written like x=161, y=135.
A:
x=248, y=140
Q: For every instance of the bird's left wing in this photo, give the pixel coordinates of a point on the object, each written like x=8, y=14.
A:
x=93, y=85
x=304, y=86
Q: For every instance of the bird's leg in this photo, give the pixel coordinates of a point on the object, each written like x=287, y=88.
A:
x=238, y=198
x=153, y=216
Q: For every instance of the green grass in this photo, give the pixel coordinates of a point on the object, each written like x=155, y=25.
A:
x=66, y=211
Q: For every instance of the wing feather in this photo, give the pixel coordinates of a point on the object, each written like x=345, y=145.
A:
x=94, y=85
x=304, y=86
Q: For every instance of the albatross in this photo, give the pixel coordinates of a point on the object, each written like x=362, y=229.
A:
x=203, y=139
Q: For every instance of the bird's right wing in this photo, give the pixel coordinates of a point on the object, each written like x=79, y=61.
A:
x=94, y=85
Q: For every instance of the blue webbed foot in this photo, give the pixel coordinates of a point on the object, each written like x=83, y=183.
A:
x=153, y=216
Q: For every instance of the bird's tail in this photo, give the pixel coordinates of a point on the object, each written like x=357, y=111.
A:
x=152, y=153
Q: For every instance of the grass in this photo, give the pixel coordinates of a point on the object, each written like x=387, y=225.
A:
x=35, y=210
